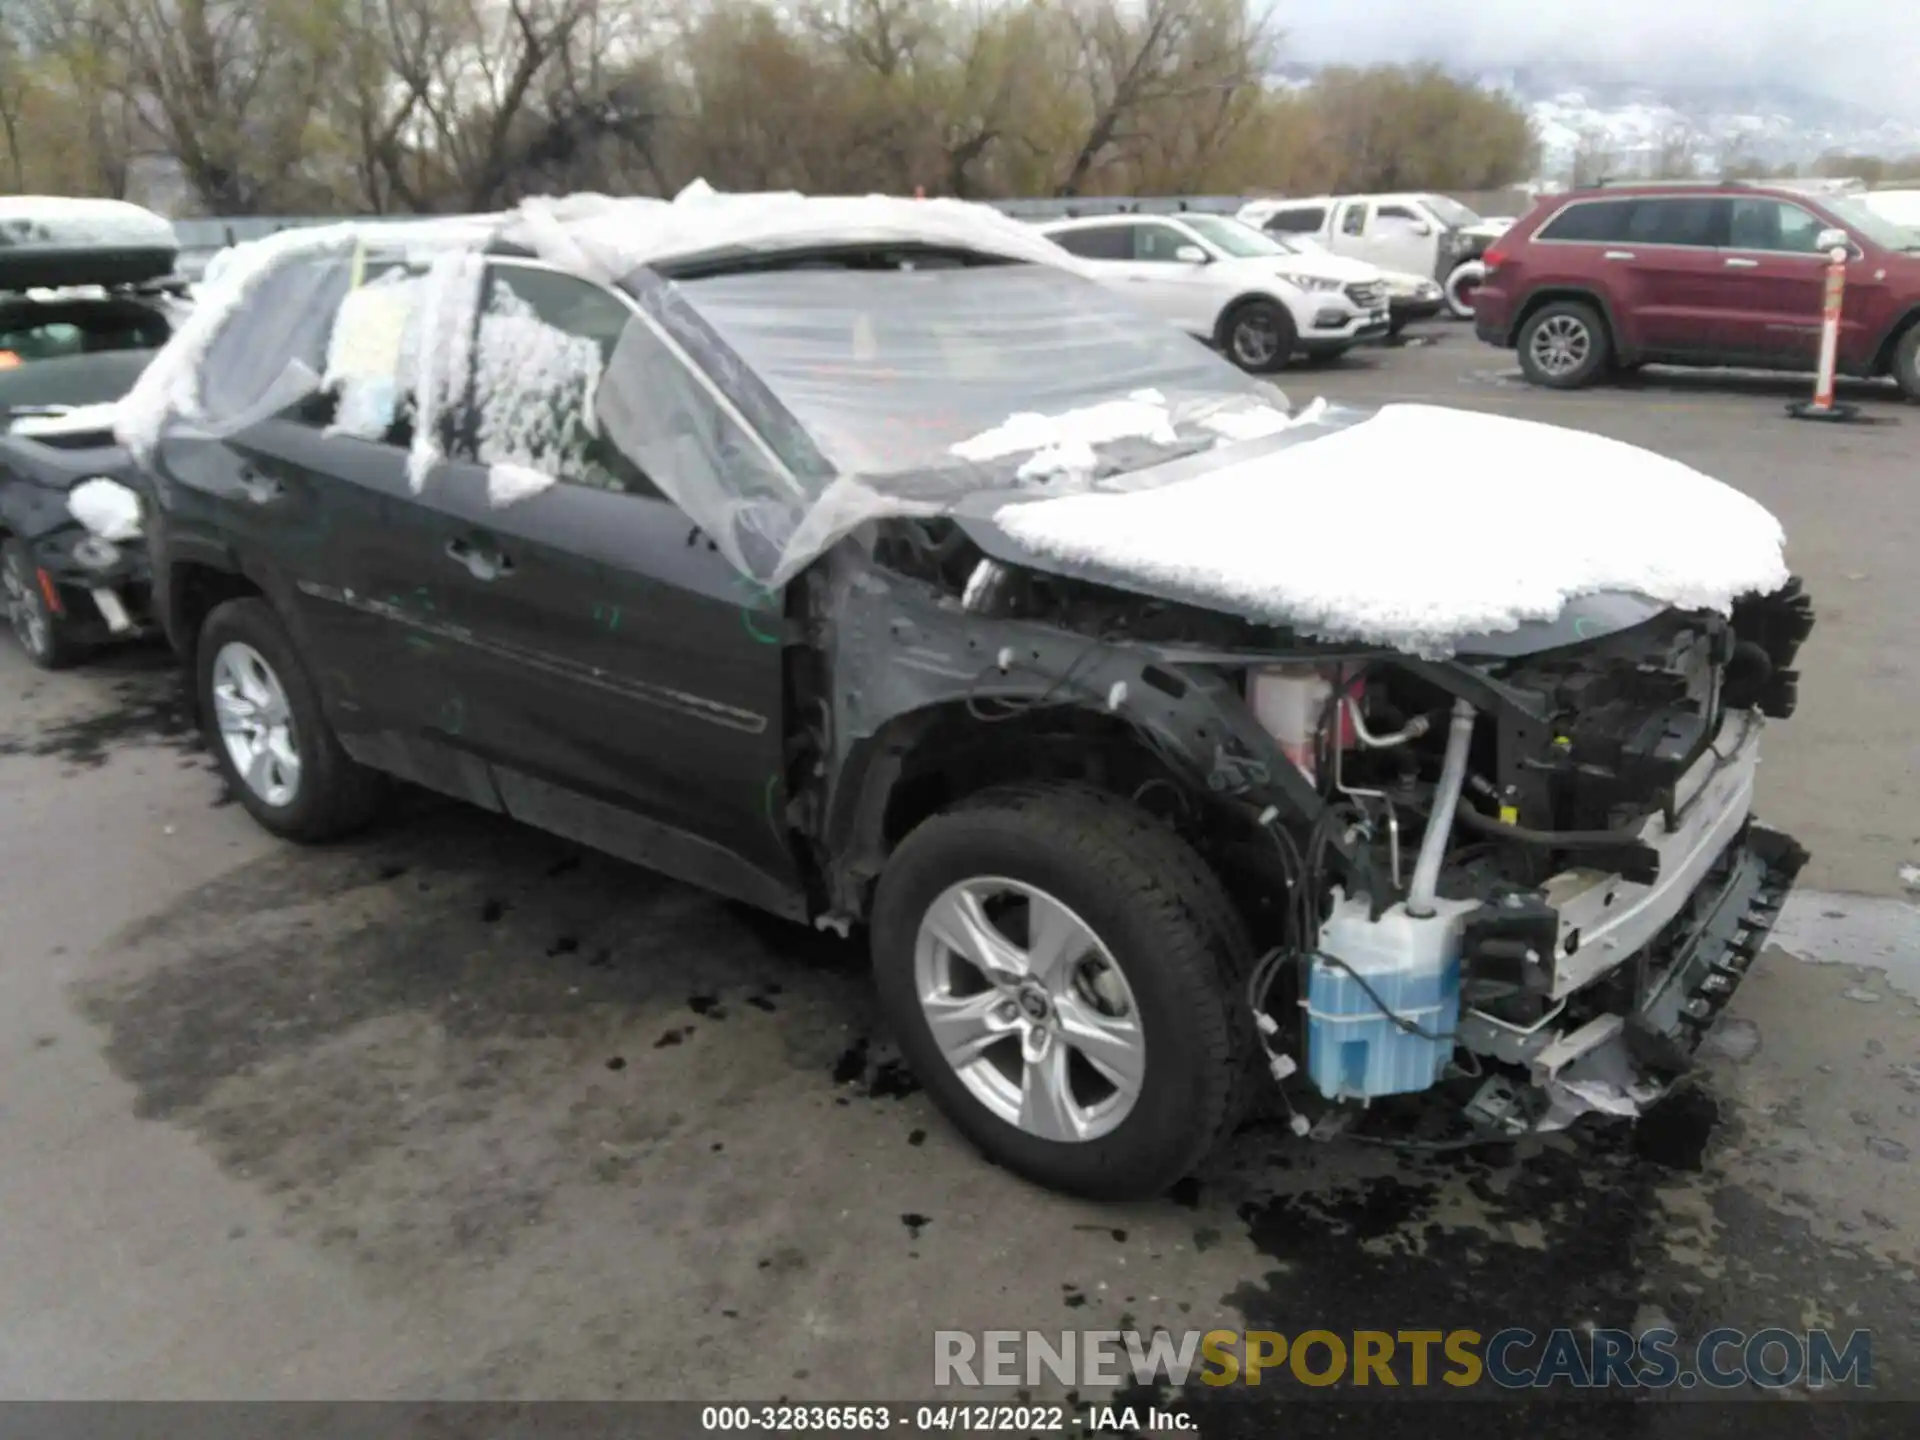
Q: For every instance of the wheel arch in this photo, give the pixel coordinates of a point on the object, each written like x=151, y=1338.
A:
x=1228, y=310
x=1896, y=332
x=1576, y=294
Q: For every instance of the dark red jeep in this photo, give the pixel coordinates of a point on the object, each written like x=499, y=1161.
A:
x=1699, y=273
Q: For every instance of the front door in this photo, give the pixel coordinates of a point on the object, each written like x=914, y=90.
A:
x=622, y=677
x=1782, y=285
x=1181, y=292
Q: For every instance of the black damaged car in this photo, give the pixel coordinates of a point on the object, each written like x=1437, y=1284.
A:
x=858, y=560
x=87, y=297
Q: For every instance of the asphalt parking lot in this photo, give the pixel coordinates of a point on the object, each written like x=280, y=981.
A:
x=455, y=1110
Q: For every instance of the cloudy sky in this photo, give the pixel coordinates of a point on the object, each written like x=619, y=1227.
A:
x=1865, y=50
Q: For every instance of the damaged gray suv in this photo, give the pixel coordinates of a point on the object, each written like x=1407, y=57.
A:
x=862, y=560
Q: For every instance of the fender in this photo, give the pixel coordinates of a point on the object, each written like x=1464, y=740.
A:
x=1883, y=344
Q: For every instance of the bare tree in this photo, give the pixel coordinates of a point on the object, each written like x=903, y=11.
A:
x=1677, y=155
x=1593, y=158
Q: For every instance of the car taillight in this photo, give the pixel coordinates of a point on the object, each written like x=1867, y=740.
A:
x=1494, y=258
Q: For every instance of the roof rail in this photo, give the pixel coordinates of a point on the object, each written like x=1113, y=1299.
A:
x=1610, y=183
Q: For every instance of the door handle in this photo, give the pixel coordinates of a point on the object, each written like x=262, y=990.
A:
x=1734, y=262
x=1618, y=255
x=483, y=563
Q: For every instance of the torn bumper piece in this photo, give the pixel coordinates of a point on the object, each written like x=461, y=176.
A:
x=1619, y=1064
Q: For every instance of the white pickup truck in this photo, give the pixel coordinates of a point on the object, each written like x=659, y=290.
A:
x=1423, y=233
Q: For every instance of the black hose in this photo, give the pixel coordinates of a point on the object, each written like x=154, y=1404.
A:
x=1550, y=839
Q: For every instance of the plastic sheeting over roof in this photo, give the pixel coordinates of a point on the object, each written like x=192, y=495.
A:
x=783, y=409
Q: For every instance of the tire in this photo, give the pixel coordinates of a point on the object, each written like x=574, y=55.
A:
x=1460, y=287
x=1259, y=336
x=34, y=625
x=1150, y=907
x=1906, y=362
x=1564, y=346
x=247, y=673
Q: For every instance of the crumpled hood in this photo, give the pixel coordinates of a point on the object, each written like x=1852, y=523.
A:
x=1430, y=530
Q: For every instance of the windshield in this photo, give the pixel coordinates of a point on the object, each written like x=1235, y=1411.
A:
x=1450, y=212
x=887, y=371
x=1238, y=239
x=1872, y=226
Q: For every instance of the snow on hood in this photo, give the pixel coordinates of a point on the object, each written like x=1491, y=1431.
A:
x=107, y=508
x=1422, y=526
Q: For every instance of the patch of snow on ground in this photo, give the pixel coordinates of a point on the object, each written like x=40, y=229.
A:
x=1421, y=526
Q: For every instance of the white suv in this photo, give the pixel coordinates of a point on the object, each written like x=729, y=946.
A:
x=1231, y=285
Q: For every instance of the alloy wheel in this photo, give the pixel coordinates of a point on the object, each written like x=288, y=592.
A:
x=1255, y=340
x=256, y=723
x=1561, y=345
x=1030, y=1009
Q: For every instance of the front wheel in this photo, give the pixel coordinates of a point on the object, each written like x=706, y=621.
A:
x=263, y=722
x=1258, y=336
x=29, y=616
x=1062, y=973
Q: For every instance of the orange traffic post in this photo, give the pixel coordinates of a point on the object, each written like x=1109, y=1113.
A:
x=1822, y=406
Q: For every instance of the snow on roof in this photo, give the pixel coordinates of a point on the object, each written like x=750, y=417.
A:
x=1421, y=526
x=600, y=236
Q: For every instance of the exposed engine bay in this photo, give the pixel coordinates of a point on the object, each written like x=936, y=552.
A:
x=1531, y=870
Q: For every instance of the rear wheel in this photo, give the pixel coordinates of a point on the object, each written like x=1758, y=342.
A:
x=1906, y=362
x=29, y=616
x=264, y=724
x=1062, y=973
x=1259, y=336
x=1564, y=346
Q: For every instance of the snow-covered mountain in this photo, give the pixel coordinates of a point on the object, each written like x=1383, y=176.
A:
x=1629, y=125
x=1632, y=125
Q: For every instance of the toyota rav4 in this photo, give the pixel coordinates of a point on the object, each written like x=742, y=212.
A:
x=858, y=560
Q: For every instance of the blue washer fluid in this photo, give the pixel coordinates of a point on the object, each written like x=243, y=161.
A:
x=1354, y=1051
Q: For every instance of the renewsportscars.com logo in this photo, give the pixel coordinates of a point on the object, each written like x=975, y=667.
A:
x=1511, y=1359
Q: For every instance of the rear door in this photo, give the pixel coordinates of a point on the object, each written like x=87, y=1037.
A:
x=1348, y=233
x=1680, y=290
x=624, y=679
x=1652, y=260
x=1782, y=284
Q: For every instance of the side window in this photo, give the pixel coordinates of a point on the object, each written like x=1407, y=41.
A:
x=48, y=341
x=1763, y=224
x=1097, y=242
x=544, y=342
x=1305, y=221
x=1591, y=221
x=366, y=389
x=1397, y=218
x=1157, y=243
x=1684, y=220
x=1353, y=219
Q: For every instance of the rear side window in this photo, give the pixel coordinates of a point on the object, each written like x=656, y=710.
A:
x=288, y=316
x=1683, y=220
x=1298, y=222
x=1097, y=242
x=1590, y=220
x=58, y=331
